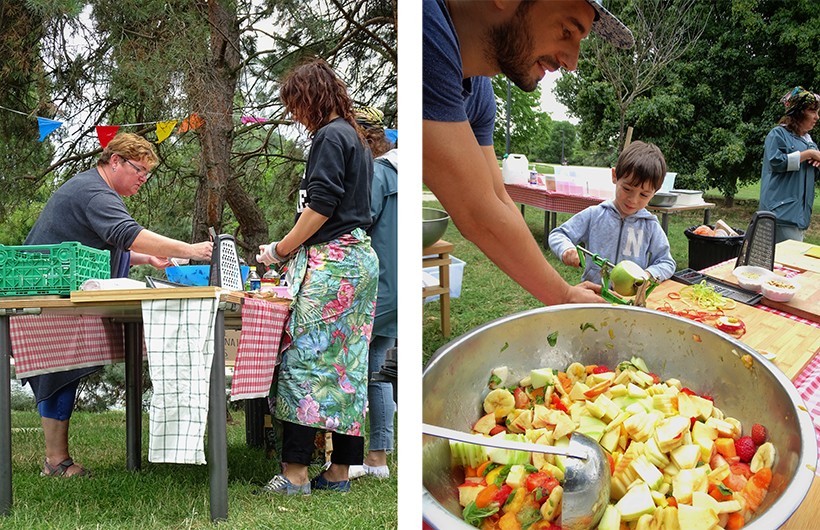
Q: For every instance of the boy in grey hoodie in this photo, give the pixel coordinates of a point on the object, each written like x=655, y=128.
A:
x=622, y=228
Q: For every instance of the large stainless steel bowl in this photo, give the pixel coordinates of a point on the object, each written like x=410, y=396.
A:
x=434, y=224
x=455, y=383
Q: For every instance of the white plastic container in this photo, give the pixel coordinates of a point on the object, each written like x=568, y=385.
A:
x=668, y=182
x=515, y=169
x=688, y=197
x=456, y=277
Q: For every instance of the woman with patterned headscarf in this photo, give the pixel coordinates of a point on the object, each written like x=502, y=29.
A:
x=790, y=165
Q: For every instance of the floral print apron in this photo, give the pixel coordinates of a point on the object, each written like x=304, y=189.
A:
x=322, y=380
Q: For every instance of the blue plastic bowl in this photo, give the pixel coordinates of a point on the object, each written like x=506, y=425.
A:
x=196, y=275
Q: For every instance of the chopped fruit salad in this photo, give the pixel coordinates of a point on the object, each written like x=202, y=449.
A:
x=677, y=461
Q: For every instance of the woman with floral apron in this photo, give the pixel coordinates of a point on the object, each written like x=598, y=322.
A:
x=333, y=273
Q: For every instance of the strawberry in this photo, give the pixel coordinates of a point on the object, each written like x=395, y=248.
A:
x=759, y=434
x=745, y=448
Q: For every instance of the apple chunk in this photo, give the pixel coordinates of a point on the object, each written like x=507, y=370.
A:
x=485, y=424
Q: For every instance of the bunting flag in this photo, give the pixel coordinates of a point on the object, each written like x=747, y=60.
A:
x=164, y=129
x=105, y=133
x=252, y=119
x=190, y=123
x=392, y=134
x=47, y=126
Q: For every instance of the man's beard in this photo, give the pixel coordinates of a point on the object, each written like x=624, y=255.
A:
x=510, y=47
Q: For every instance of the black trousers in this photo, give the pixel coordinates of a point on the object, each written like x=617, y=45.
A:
x=297, y=445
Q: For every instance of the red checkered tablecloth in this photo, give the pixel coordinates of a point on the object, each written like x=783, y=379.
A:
x=53, y=343
x=551, y=201
x=807, y=383
x=263, y=323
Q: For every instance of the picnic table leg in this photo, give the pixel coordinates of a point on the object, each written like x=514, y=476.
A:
x=217, y=428
x=5, y=415
x=547, y=228
x=133, y=396
x=665, y=222
x=707, y=213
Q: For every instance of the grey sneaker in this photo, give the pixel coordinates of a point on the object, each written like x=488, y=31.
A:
x=281, y=484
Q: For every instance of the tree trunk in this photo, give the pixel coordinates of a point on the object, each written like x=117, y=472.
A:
x=252, y=226
x=212, y=92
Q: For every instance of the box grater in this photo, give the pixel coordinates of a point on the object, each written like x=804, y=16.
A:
x=759, y=244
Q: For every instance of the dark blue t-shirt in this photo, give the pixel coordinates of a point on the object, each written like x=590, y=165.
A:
x=447, y=96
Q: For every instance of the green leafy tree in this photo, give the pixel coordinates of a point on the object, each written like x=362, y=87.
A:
x=529, y=127
x=710, y=107
x=149, y=60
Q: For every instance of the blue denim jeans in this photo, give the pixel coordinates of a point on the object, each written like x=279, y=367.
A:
x=380, y=397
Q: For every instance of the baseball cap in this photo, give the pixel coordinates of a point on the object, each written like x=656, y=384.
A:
x=609, y=28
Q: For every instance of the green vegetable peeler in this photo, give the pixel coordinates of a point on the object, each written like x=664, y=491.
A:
x=606, y=267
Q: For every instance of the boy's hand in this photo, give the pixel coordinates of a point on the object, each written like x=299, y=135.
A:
x=570, y=257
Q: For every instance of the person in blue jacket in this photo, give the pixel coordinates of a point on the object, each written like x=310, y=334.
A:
x=622, y=229
x=790, y=166
x=383, y=232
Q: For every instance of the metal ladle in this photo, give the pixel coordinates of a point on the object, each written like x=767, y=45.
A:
x=587, y=480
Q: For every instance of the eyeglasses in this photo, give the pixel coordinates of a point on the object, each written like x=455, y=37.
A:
x=141, y=171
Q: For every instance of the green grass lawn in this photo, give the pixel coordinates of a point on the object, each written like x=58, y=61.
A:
x=487, y=293
x=169, y=496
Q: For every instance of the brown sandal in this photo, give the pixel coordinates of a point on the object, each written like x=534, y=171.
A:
x=60, y=469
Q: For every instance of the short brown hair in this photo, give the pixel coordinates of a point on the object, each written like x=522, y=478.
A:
x=131, y=146
x=641, y=162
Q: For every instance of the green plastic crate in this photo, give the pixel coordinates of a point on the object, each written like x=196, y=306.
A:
x=50, y=269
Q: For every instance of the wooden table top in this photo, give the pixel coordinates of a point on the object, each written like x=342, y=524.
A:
x=806, y=301
x=792, y=254
x=682, y=207
x=793, y=343
x=439, y=247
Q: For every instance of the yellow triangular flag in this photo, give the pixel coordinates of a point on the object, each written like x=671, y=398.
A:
x=164, y=129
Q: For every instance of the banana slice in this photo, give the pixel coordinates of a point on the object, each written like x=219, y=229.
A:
x=576, y=372
x=499, y=401
x=764, y=457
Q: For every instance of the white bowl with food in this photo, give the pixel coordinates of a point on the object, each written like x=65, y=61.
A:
x=751, y=277
x=779, y=288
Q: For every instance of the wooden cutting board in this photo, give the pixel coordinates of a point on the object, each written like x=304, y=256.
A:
x=792, y=342
x=806, y=301
x=120, y=295
x=798, y=255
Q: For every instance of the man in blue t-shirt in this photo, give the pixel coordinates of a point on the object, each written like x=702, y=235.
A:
x=465, y=43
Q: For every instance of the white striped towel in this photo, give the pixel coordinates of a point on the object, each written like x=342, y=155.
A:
x=179, y=336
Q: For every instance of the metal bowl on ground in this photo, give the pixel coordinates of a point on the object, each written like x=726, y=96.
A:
x=663, y=198
x=434, y=223
x=455, y=383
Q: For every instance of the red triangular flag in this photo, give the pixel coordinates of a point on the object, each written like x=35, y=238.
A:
x=105, y=133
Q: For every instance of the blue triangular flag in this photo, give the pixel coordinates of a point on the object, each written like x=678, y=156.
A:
x=391, y=134
x=47, y=126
